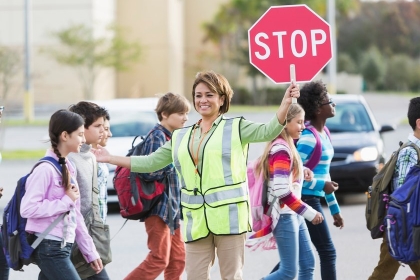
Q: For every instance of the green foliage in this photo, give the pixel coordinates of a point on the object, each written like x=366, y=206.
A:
x=87, y=54
x=346, y=64
x=390, y=26
x=414, y=74
x=22, y=154
x=373, y=68
x=10, y=64
x=399, y=73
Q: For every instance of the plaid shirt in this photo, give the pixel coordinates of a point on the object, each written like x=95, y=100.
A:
x=103, y=173
x=154, y=141
x=406, y=159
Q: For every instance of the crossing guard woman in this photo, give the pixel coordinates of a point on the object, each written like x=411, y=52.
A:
x=210, y=158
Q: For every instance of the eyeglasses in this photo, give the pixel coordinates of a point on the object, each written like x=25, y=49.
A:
x=330, y=101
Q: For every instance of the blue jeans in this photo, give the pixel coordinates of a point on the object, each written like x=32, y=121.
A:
x=293, y=243
x=100, y=276
x=4, y=267
x=54, y=261
x=321, y=238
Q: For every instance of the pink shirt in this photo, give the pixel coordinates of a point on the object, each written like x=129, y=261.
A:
x=45, y=200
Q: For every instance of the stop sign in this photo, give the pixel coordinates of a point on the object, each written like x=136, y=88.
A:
x=286, y=35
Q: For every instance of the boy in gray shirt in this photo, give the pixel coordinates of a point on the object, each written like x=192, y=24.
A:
x=85, y=161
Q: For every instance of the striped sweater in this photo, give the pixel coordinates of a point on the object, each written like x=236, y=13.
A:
x=305, y=146
x=281, y=186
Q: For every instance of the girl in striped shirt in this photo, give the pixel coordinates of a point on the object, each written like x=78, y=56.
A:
x=284, y=172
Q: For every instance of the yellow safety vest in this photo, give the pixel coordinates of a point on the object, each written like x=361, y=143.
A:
x=217, y=201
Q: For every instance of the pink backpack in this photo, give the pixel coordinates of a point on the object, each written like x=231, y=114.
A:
x=257, y=189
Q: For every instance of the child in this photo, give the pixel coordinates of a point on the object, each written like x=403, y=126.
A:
x=282, y=167
x=318, y=106
x=167, y=252
x=85, y=161
x=49, y=194
x=103, y=171
x=387, y=266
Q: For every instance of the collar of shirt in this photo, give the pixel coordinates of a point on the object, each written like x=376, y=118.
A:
x=414, y=139
x=161, y=127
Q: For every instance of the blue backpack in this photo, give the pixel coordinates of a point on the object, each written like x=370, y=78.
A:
x=402, y=221
x=16, y=244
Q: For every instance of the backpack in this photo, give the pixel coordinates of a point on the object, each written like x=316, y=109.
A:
x=317, y=152
x=403, y=219
x=257, y=190
x=378, y=194
x=136, y=196
x=17, y=245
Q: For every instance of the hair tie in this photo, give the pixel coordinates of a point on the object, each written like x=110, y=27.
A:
x=62, y=160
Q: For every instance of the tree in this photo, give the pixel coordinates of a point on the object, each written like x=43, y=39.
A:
x=398, y=74
x=373, y=68
x=390, y=26
x=88, y=54
x=10, y=64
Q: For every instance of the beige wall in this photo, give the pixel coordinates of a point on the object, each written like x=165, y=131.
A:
x=170, y=32
x=172, y=36
x=52, y=82
x=146, y=22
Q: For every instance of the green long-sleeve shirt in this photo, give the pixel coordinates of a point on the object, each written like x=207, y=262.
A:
x=251, y=132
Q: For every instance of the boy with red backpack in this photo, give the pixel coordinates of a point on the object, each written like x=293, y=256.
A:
x=167, y=251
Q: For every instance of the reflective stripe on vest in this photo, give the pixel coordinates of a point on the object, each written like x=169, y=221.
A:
x=216, y=199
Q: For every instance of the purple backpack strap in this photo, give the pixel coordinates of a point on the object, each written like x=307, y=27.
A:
x=317, y=152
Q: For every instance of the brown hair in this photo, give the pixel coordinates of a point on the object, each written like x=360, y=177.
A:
x=63, y=120
x=217, y=83
x=89, y=111
x=263, y=164
x=171, y=103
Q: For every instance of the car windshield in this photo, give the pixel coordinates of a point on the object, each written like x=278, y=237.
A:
x=125, y=124
x=350, y=117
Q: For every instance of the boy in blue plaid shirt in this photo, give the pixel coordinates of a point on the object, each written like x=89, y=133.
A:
x=387, y=266
x=167, y=251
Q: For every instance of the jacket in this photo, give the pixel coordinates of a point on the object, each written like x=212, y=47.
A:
x=45, y=200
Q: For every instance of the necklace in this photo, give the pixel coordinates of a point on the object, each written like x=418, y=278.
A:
x=195, y=158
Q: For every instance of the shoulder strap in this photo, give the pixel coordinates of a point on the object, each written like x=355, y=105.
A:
x=413, y=145
x=316, y=153
x=51, y=161
x=57, y=167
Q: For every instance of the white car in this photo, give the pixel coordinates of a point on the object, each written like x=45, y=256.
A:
x=129, y=118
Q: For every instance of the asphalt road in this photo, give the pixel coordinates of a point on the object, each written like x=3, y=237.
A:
x=357, y=252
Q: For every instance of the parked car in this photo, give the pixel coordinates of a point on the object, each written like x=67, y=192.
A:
x=357, y=141
x=129, y=118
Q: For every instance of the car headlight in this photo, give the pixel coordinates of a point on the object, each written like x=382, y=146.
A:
x=366, y=154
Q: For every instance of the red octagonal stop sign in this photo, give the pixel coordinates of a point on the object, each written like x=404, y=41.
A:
x=286, y=35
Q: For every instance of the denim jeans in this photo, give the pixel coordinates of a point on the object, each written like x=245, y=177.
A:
x=54, y=261
x=295, y=249
x=4, y=267
x=321, y=238
x=100, y=276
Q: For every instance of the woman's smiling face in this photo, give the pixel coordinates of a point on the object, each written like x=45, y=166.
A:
x=207, y=103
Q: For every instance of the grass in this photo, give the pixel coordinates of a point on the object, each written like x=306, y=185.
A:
x=23, y=154
x=20, y=122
